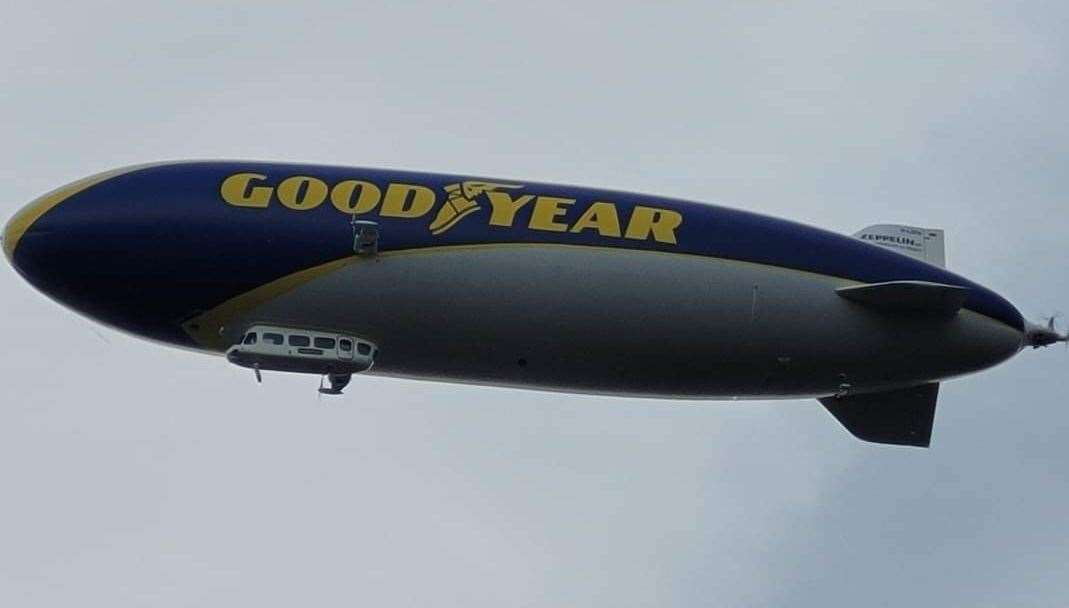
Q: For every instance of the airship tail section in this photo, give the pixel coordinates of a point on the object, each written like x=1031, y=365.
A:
x=924, y=244
x=898, y=417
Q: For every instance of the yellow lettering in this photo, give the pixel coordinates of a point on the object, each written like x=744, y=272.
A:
x=236, y=191
x=407, y=200
x=367, y=196
x=546, y=210
x=661, y=223
x=503, y=207
x=600, y=216
x=302, y=193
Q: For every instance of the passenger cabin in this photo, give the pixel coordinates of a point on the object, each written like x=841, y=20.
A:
x=290, y=349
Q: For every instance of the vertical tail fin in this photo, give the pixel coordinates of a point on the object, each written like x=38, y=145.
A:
x=899, y=417
x=925, y=244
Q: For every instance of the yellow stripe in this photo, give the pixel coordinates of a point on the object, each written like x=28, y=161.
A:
x=206, y=329
x=21, y=222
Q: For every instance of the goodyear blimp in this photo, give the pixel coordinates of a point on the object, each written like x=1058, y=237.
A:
x=334, y=271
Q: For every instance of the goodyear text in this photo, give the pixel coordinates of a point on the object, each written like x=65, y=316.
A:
x=504, y=203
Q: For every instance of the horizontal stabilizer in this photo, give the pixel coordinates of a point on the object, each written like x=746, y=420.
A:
x=899, y=417
x=909, y=297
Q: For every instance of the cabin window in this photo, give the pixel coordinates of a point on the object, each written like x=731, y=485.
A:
x=298, y=340
x=363, y=348
x=325, y=343
x=345, y=345
x=250, y=338
x=273, y=338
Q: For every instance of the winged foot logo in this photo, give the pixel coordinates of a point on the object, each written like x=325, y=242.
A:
x=414, y=201
x=461, y=203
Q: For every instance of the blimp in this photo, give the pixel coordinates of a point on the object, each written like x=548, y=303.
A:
x=337, y=271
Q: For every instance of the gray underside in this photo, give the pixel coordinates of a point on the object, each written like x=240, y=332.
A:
x=626, y=322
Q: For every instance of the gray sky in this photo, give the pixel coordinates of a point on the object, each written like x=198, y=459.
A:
x=138, y=475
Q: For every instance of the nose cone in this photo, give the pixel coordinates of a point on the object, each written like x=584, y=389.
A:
x=71, y=245
x=25, y=220
x=152, y=249
x=26, y=226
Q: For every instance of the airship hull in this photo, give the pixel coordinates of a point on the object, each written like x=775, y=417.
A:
x=618, y=322
x=513, y=283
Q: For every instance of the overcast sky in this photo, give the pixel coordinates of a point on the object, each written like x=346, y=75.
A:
x=137, y=475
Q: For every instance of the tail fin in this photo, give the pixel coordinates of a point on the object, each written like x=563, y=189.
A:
x=899, y=417
x=925, y=244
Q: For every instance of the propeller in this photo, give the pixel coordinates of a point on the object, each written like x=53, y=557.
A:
x=1038, y=336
